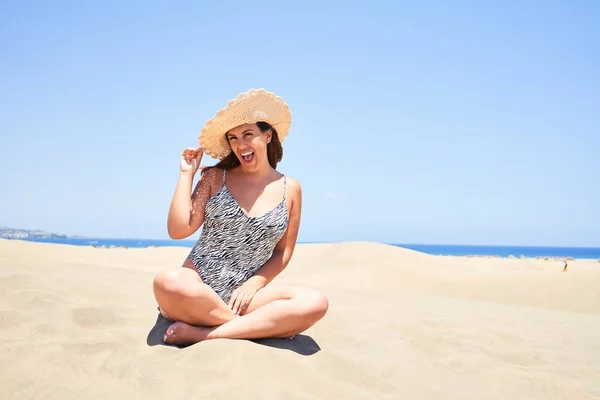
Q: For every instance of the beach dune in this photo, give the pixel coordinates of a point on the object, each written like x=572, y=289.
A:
x=81, y=323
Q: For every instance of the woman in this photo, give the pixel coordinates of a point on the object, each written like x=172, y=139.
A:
x=250, y=214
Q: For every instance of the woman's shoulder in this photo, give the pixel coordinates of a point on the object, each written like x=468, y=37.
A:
x=292, y=184
x=212, y=176
x=212, y=172
x=209, y=170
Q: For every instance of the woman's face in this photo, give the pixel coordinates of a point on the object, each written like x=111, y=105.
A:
x=249, y=145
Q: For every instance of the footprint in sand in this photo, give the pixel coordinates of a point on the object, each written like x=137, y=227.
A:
x=508, y=348
x=88, y=349
x=15, y=280
x=10, y=319
x=91, y=317
x=46, y=329
x=32, y=298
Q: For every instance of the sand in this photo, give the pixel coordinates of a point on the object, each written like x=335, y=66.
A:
x=81, y=323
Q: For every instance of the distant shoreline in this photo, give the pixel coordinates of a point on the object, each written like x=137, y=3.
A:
x=487, y=251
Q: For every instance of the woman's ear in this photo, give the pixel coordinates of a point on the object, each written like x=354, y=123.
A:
x=269, y=134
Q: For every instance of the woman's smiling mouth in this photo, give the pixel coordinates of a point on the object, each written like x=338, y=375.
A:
x=248, y=156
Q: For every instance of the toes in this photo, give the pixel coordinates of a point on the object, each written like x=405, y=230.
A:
x=181, y=333
x=172, y=331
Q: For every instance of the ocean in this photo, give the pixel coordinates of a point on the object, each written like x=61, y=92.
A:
x=434, y=249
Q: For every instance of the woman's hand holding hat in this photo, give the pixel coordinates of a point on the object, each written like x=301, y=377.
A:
x=190, y=160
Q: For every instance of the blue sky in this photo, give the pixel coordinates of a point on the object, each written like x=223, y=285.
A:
x=431, y=122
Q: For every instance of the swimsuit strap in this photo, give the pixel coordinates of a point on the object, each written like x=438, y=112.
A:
x=224, y=170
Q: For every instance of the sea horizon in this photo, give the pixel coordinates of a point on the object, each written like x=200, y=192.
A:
x=493, y=250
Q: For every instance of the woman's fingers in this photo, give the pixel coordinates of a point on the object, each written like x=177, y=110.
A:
x=243, y=303
x=236, y=301
x=240, y=300
x=192, y=152
x=246, y=301
x=232, y=299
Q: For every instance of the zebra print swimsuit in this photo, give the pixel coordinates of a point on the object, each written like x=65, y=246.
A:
x=233, y=245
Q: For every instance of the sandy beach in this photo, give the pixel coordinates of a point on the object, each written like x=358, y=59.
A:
x=81, y=323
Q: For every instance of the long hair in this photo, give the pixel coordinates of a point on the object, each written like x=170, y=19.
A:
x=274, y=151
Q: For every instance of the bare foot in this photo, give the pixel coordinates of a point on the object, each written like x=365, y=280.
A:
x=181, y=333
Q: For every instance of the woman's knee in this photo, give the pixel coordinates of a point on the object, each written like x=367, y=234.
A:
x=315, y=304
x=172, y=281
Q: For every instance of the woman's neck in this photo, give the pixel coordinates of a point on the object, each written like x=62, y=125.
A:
x=259, y=174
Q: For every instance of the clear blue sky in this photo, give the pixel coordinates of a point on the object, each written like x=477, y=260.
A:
x=435, y=122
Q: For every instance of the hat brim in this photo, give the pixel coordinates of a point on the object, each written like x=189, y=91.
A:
x=249, y=107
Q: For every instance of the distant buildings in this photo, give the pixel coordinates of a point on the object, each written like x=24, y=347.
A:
x=14, y=233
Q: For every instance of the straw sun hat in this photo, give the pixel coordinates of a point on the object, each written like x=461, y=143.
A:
x=252, y=106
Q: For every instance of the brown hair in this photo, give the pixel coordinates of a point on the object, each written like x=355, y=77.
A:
x=274, y=151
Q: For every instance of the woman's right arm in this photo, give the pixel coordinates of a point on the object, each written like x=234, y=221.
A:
x=186, y=213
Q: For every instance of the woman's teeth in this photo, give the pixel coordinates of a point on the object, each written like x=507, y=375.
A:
x=248, y=156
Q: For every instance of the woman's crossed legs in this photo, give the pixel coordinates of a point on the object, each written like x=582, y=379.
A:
x=200, y=314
